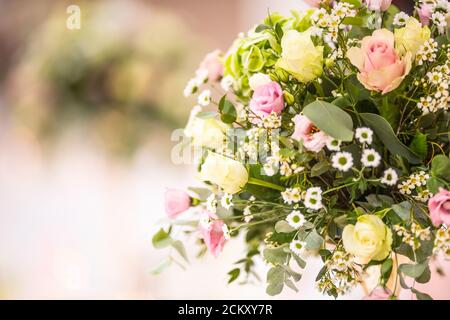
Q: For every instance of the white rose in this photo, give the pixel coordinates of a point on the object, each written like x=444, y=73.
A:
x=227, y=173
x=209, y=133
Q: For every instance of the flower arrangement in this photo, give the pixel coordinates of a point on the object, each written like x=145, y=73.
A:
x=325, y=133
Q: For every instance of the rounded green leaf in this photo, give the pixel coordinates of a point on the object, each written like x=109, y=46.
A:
x=331, y=119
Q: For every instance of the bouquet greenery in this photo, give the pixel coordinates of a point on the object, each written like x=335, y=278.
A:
x=327, y=133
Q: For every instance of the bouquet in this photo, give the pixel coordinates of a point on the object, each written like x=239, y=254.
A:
x=324, y=133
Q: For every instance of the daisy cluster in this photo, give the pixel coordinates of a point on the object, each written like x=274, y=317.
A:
x=414, y=235
x=341, y=274
x=442, y=242
x=416, y=183
x=312, y=197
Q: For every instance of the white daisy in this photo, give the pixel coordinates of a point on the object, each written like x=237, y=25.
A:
x=191, y=87
x=313, y=203
x=390, y=177
x=204, y=99
x=227, y=83
x=333, y=144
x=205, y=221
x=342, y=161
x=227, y=201
x=400, y=19
x=364, y=135
x=370, y=158
x=226, y=232
x=296, y=219
x=201, y=76
x=211, y=203
x=297, y=247
x=314, y=192
x=293, y=195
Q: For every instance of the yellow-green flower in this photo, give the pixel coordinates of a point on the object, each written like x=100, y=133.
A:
x=300, y=57
x=369, y=239
x=411, y=37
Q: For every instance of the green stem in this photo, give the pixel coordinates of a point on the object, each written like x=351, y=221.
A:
x=266, y=184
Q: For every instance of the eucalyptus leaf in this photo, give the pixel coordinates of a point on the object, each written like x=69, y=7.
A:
x=179, y=246
x=161, y=239
x=162, y=266
x=283, y=227
x=314, y=241
x=421, y=295
x=403, y=210
x=275, y=255
x=330, y=119
x=413, y=270
x=384, y=131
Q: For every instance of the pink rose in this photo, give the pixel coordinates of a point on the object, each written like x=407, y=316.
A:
x=266, y=99
x=305, y=131
x=378, y=5
x=213, y=235
x=314, y=3
x=379, y=293
x=176, y=202
x=212, y=64
x=317, y=3
x=424, y=12
x=439, y=207
x=381, y=68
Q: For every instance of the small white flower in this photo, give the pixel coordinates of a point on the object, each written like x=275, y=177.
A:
x=296, y=219
x=293, y=195
x=226, y=232
x=227, y=201
x=211, y=203
x=191, y=87
x=400, y=19
x=313, y=198
x=247, y=214
x=364, y=135
x=390, y=177
x=297, y=247
x=205, y=221
x=333, y=144
x=342, y=161
x=370, y=158
x=204, y=99
x=227, y=83
x=201, y=76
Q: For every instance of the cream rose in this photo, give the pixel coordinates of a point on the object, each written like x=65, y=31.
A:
x=369, y=239
x=300, y=57
x=209, y=133
x=227, y=173
x=381, y=67
x=411, y=37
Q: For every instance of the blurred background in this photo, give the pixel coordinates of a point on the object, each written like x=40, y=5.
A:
x=85, y=122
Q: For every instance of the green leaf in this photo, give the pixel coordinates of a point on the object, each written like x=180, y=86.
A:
x=227, y=110
x=320, y=168
x=262, y=27
x=314, y=241
x=179, y=246
x=274, y=288
x=425, y=277
x=300, y=262
x=384, y=131
x=440, y=167
x=434, y=183
x=202, y=193
x=356, y=3
x=353, y=21
x=234, y=274
x=386, y=269
x=330, y=119
x=161, y=239
x=419, y=145
x=283, y=227
x=254, y=60
x=275, y=255
x=290, y=284
x=413, y=270
x=403, y=210
x=162, y=266
x=321, y=273
x=421, y=295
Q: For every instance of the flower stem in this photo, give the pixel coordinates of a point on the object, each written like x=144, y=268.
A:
x=266, y=184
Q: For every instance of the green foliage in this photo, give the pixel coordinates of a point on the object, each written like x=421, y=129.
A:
x=384, y=132
x=419, y=145
x=227, y=110
x=330, y=119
